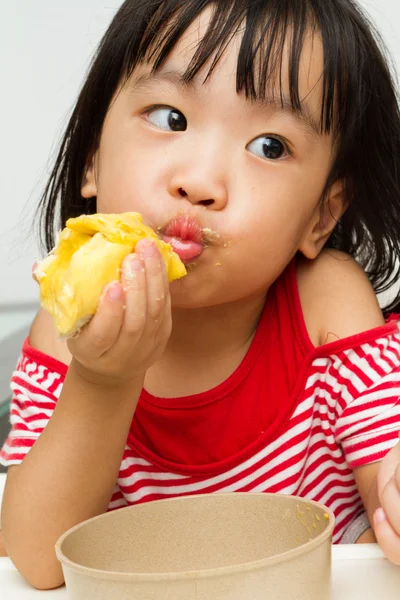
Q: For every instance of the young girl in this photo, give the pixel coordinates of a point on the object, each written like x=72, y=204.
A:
x=262, y=138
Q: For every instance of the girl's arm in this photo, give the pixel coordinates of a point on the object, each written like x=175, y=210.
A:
x=70, y=472
x=379, y=486
x=338, y=299
x=68, y=476
x=3, y=551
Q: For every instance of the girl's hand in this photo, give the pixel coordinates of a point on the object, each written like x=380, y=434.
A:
x=387, y=518
x=33, y=271
x=132, y=324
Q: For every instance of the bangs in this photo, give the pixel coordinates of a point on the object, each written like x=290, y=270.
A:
x=273, y=31
x=359, y=104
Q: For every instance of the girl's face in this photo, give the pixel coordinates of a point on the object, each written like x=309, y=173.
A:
x=250, y=173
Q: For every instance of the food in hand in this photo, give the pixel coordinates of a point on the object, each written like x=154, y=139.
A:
x=88, y=255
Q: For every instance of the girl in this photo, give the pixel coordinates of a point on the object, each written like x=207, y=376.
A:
x=261, y=138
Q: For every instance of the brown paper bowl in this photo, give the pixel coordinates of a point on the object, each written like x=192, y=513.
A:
x=239, y=546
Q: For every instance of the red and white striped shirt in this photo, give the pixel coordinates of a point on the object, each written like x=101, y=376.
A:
x=292, y=418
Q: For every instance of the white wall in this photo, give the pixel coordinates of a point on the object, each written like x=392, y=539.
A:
x=45, y=47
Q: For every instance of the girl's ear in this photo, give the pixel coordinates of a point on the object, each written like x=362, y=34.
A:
x=89, y=185
x=323, y=222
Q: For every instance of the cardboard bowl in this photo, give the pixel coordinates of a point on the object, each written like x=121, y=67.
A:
x=235, y=546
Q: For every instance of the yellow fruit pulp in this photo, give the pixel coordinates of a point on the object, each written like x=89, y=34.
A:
x=88, y=256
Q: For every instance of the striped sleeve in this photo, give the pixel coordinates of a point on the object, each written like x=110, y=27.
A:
x=368, y=422
x=35, y=389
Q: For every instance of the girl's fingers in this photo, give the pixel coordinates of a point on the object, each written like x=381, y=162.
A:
x=35, y=264
x=132, y=312
x=134, y=283
x=387, y=538
x=167, y=319
x=103, y=330
x=166, y=285
x=154, y=267
x=390, y=500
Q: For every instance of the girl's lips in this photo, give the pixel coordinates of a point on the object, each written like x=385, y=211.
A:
x=185, y=249
x=185, y=236
x=184, y=228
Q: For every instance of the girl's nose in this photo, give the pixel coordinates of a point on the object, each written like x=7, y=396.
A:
x=205, y=187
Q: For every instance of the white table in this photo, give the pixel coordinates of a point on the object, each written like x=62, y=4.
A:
x=359, y=572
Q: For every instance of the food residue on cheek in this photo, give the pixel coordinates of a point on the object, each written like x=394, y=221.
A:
x=190, y=266
x=226, y=245
x=210, y=235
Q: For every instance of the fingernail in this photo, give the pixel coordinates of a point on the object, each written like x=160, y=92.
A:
x=131, y=268
x=135, y=265
x=147, y=248
x=114, y=292
x=34, y=267
x=380, y=516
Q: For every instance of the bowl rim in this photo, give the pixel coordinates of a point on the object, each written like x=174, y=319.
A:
x=202, y=573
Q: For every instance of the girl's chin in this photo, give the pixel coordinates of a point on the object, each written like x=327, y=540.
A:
x=192, y=295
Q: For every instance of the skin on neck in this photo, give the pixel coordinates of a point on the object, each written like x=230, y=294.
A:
x=216, y=330
x=206, y=345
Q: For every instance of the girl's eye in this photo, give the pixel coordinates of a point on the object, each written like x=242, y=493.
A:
x=169, y=119
x=266, y=146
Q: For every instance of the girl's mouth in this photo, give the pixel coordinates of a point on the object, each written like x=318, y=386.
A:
x=186, y=237
x=187, y=250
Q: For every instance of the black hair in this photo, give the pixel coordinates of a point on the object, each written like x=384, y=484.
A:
x=360, y=105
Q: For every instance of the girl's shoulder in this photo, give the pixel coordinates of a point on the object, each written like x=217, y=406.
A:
x=43, y=337
x=337, y=298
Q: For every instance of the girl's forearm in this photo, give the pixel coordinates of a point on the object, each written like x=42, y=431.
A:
x=373, y=502
x=69, y=474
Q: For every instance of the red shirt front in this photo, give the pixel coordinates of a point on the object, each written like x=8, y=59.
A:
x=292, y=418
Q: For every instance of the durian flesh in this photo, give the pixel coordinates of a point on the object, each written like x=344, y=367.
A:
x=88, y=256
